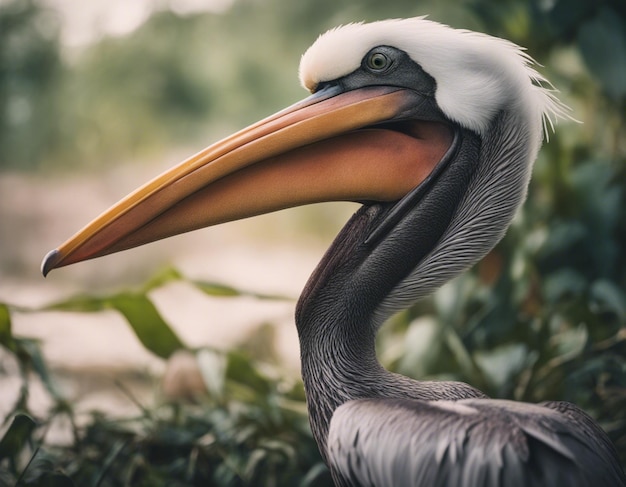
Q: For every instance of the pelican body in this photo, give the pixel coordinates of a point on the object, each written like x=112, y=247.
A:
x=435, y=131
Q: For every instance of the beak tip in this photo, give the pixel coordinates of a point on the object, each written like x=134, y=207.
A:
x=50, y=261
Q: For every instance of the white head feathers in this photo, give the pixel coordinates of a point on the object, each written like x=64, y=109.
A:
x=477, y=75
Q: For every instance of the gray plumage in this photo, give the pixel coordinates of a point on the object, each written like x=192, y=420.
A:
x=467, y=443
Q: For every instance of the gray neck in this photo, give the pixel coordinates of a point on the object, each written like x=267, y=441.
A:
x=492, y=197
x=338, y=339
x=340, y=309
x=336, y=369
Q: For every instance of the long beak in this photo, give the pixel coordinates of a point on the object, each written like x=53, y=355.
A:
x=329, y=147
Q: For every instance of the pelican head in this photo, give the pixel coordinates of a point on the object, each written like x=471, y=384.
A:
x=476, y=75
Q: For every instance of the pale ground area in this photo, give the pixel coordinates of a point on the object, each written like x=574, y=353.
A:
x=89, y=352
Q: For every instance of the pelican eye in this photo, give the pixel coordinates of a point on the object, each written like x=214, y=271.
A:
x=377, y=61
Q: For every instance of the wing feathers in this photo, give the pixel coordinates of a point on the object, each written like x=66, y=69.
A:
x=468, y=443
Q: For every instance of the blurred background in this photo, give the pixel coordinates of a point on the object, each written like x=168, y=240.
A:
x=96, y=97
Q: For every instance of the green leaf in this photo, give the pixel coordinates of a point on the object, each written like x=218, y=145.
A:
x=282, y=448
x=317, y=476
x=212, y=365
x=42, y=471
x=145, y=320
x=563, y=236
x=500, y=364
x=609, y=297
x=6, y=337
x=162, y=278
x=31, y=347
x=55, y=479
x=215, y=289
x=242, y=370
x=82, y=303
x=602, y=42
x=421, y=347
x=566, y=15
x=223, y=290
x=572, y=341
x=563, y=283
x=255, y=463
x=18, y=434
x=114, y=452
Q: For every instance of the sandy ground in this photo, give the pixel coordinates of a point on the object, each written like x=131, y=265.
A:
x=269, y=254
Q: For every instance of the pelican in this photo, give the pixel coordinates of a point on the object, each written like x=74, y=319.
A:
x=434, y=130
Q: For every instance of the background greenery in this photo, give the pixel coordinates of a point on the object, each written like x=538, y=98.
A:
x=542, y=317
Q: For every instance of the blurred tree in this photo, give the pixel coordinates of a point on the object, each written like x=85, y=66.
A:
x=139, y=94
x=30, y=68
x=169, y=81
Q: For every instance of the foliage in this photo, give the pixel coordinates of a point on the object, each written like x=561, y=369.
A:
x=30, y=72
x=519, y=326
x=169, y=81
x=249, y=428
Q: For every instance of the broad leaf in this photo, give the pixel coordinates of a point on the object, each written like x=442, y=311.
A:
x=151, y=329
x=18, y=434
x=143, y=317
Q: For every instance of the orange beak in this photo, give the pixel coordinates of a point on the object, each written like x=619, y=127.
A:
x=358, y=145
